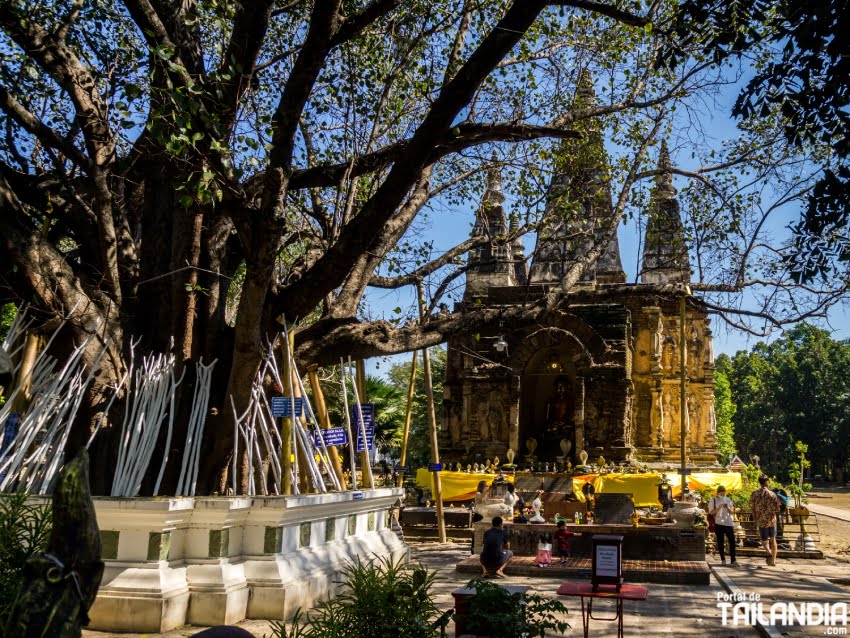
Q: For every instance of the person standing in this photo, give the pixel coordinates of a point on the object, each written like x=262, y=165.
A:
x=562, y=539
x=765, y=505
x=722, y=508
x=782, y=517
x=495, y=554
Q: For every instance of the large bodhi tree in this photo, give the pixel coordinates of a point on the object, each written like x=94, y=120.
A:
x=161, y=160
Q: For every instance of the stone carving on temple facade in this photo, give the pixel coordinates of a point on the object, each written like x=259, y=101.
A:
x=658, y=339
x=671, y=411
x=656, y=418
x=694, y=423
x=712, y=415
x=671, y=355
x=694, y=351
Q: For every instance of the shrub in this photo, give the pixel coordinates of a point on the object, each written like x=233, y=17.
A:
x=24, y=531
x=496, y=613
x=381, y=599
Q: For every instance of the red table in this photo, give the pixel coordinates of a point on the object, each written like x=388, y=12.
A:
x=585, y=590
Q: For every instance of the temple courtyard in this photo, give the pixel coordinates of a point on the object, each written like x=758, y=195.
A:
x=671, y=610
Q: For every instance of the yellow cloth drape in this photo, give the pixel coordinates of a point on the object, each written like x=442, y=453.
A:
x=461, y=486
x=457, y=486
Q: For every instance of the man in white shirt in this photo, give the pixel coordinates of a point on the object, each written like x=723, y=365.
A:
x=721, y=507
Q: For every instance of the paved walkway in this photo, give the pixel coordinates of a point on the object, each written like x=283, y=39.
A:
x=790, y=581
x=832, y=512
x=673, y=611
x=670, y=610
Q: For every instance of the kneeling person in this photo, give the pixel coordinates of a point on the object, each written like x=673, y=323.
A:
x=494, y=553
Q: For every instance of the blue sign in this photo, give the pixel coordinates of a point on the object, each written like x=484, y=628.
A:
x=370, y=437
x=282, y=406
x=401, y=469
x=435, y=467
x=368, y=410
x=357, y=496
x=332, y=436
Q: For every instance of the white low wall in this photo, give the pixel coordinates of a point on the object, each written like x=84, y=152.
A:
x=217, y=560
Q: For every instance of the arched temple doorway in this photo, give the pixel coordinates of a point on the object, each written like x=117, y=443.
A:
x=552, y=397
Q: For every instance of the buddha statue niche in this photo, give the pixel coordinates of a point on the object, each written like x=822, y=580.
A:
x=559, y=411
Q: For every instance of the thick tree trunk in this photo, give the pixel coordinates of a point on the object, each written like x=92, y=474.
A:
x=249, y=342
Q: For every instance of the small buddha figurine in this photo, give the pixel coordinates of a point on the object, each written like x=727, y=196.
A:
x=469, y=468
x=537, y=505
x=458, y=467
x=559, y=409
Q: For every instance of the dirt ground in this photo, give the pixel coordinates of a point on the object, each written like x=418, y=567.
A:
x=831, y=496
x=834, y=534
x=834, y=538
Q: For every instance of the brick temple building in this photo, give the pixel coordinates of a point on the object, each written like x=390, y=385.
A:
x=602, y=371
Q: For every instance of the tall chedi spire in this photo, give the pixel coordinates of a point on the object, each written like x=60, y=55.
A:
x=578, y=204
x=491, y=264
x=665, y=252
x=518, y=251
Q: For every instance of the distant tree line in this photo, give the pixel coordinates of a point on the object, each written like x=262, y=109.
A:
x=795, y=388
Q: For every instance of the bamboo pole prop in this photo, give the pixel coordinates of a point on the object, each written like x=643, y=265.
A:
x=683, y=394
x=325, y=423
x=408, y=414
x=432, y=421
x=321, y=449
x=306, y=452
x=286, y=422
x=306, y=460
x=33, y=456
x=274, y=440
x=351, y=444
x=365, y=463
x=187, y=479
x=170, y=427
x=274, y=432
x=270, y=443
x=237, y=430
x=303, y=483
x=24, y=381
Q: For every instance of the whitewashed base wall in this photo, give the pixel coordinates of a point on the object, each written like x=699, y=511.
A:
x=218, y=560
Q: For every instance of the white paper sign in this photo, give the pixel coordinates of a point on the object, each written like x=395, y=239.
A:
x=606, y=561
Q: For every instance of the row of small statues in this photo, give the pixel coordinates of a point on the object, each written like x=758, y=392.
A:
x=561, y=463
x=556, y=466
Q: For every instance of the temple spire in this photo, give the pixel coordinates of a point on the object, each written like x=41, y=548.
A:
x=493, y=194
x=665, y=253
x=578, y=203
x=490, y=264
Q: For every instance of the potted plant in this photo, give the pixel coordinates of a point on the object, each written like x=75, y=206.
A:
x=798, y=488
x=494, y=612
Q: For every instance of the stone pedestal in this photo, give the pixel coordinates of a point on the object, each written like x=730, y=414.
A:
x=144, y=586
x=211, y=561
x=216, y=572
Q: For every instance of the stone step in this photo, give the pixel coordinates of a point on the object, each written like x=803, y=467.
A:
x=425, y=533
x=682, y=572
